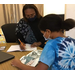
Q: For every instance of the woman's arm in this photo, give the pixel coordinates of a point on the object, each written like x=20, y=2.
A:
x=36, y=44
x=18, y=64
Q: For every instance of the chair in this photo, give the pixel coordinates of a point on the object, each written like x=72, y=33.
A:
x=9, y=32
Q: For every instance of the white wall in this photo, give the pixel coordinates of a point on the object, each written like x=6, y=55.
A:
x=70, y=13
x=54, y=8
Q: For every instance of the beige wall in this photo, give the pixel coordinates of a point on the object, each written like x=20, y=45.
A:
x=70, y=13
x=1, y=16
x=40, y=7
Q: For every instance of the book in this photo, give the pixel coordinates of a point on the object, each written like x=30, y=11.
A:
x=17, y=48
x=32, y=58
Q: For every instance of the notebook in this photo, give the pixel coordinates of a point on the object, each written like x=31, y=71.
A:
x=5, y=57
x=17, y=48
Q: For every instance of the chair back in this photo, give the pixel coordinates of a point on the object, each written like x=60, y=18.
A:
x=9, y=32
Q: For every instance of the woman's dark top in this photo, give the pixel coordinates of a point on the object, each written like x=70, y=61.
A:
x=28, y=32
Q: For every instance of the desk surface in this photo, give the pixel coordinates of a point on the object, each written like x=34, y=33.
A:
x=7, y=65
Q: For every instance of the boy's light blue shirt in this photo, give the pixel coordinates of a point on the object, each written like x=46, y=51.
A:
x=59, y=53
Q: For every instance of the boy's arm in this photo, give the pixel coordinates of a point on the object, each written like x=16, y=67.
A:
x=18, y=64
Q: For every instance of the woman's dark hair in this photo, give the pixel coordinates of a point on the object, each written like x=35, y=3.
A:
x=54, y=22
x=31, y=6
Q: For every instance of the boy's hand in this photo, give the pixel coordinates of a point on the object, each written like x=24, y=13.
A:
x=16, y=62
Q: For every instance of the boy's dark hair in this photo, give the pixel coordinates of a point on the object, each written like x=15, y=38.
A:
x=54, y=22
x=31, y=6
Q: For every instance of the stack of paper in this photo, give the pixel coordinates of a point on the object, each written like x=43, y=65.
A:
x=17, y=48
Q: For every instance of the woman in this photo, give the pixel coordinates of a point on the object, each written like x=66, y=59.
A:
x=27, y=29
x=58, y=53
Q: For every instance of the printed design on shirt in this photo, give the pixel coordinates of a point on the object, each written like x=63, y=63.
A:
x=26, y=31
x=66, y=55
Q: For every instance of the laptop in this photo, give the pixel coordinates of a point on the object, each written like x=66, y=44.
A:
x=5, y=57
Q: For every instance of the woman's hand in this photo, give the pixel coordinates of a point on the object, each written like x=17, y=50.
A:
x=22, y=46
x=36, y=44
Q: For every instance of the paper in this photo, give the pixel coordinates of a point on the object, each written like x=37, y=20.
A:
x=17, y=48
x=32, y=58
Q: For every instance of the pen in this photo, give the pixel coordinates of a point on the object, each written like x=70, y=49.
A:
x=20, y=42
